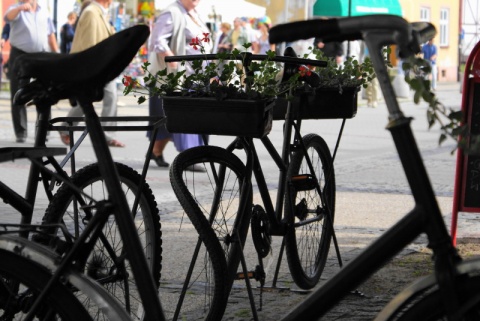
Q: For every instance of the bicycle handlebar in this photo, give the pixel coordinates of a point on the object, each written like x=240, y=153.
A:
x=407, y=36
x=249, y=56
x=423, y=31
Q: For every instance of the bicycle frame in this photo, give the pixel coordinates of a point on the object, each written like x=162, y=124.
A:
x=282, y=161
x=277, y=215
x=425, y=216
x=25, y=205
x=155, y=123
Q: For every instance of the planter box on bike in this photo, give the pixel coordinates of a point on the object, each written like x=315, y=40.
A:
x=322, y=103
x=206, y=115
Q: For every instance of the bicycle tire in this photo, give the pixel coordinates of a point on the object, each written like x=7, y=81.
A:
x=100, y=265
x=21, y=279
x=307, y=245
x=198, y=193
x=427, y=305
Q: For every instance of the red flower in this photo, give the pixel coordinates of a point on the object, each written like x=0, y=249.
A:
x=127, y=81
x=195, y=42
x=206, y=37
x=304, y=71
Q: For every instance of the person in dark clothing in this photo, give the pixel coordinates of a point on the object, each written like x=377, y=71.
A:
x=332, y=49
x=67, y=32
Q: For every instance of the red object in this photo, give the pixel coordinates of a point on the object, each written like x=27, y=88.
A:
x=466, y=195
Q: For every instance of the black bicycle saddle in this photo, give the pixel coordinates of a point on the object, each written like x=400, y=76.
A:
x=83, y=73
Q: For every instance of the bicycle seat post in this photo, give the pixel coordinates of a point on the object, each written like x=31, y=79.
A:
x=41, y=130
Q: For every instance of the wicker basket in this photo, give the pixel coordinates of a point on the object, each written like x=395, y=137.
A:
x=322, y=104
x=231, y=117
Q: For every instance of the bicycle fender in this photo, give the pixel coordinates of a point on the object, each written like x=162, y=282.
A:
x=464, y=268
x=49, y=260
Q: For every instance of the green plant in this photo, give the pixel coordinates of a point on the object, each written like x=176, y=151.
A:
x=234, y=75
x=351, y=73
x=229, y=75
x=450, y=121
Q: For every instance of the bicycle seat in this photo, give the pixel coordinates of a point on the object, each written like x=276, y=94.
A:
x=61, y=76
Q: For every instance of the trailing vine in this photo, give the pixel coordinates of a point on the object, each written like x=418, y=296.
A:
x=451, y=121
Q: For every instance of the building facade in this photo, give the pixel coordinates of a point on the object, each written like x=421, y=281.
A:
x=470, y=22
x=444, y=14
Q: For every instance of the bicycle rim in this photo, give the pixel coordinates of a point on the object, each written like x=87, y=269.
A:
x=309, y=233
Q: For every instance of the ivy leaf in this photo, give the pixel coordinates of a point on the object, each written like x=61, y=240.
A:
x=430, y=118
x=458, y=130
x=427, y=95
x=141, y=100
x=450, y=121
x=456, y=115
x=417, y=96
x=442, y=138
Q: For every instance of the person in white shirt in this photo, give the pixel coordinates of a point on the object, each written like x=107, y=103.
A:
x=31, y=30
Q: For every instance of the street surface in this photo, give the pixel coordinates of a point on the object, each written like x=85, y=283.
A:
x=366, y=160
x=372, y=192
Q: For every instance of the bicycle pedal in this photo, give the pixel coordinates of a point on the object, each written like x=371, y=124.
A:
x=303, y=182
x=258, y=274
x=242, y=276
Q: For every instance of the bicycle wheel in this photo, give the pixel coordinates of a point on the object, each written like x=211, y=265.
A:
x=427, y=305
x=21, y=281
x=105, y=263
x=211, y=201
x=307, y=241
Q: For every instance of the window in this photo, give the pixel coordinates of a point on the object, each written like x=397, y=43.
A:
x=425, y=14
x=444, y=23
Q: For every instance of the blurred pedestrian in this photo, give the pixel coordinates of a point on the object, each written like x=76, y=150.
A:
x=85, y=4
x=240, y=35
x=429, y=51
x=93, y=27
x=262, y=45
x=332, y=49
x=31, y=30
x=223, y=43
x=67, y=32
x=252, y=34
x=173, y=30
